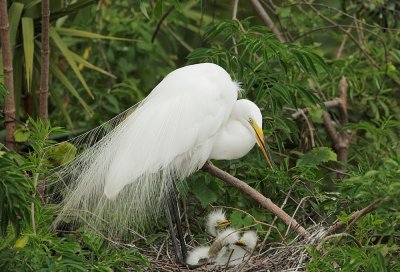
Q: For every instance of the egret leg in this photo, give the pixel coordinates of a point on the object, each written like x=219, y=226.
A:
x=174, y=222
x=177, y=218
x=172, y=233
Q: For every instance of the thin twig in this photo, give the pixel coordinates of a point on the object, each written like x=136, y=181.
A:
x=254, y=194
x=338, y=235
x=153, y=37
x=355, y=216
x=310, y=128
x=328, y=104
x=327, y=19
x=266, y=19
x=343, y=43
x=234, y=17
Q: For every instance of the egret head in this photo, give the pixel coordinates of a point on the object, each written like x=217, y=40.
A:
x=250, y=115
x=249, y=240
x=216, y=221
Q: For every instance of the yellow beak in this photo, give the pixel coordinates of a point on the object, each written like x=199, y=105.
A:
x=241, y=242
x=261, y=142
x=223, y=224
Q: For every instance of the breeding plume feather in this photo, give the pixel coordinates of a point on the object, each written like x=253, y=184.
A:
x=122, y=180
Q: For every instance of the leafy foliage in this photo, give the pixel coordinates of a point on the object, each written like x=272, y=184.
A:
x=16, y=191
x=324, y=41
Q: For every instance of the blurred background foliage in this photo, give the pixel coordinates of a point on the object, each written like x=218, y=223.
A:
x=108, y=55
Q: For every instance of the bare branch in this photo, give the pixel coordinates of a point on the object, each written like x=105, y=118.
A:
x=153, y=37
x=44, y=67
x=9, y=106
x=343, y=43
x=254, y=194
x=340, y=27
x=330, y=128
x=343, y=86
x=328, y=104
x=310, y=128
x=266, y=19
x=355, y=216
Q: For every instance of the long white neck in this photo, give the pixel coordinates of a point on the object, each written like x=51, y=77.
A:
x=235, y=139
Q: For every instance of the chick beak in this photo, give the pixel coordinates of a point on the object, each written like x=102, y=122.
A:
x=261, y=143
x=241, y=243
x=223, y=224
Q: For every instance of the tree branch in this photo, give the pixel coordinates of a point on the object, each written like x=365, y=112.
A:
x=266, y=19
x=9, y=106
x=254, y=194
x=153, y=37
x=330, y=128
x=355, y=216
x=44, y=67
x=328, y=104
x=340, y=141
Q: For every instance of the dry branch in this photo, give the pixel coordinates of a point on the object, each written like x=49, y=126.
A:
x=328, y=104
x=340, y=140
x=254, y=194
x=9, y=106
x=266, y=19
x=44, y=67
x=153, y=37
x=354, y=217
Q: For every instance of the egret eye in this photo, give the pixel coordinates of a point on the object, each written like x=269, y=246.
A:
x=251, y=120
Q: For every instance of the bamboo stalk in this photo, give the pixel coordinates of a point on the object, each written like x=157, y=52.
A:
x=9, y=106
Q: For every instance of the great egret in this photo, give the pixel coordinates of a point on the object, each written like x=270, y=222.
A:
x=216, y=221
x=127, y=178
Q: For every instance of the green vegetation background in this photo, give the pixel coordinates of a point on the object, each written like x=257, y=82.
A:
x=96, y=76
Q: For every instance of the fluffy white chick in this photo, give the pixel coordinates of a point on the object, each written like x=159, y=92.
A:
x=198, y=256
x=220, y=250
x=244, y=247
x=216, y=221
x=238, y=252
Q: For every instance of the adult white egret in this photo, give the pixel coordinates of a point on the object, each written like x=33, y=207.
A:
x=216, y=221
x=125, y=180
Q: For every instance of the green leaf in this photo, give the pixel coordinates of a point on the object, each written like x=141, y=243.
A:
x=62, y=153
x=14, y=15
x=317, y=156
x=67, y=84
x=21, y=242
x=87, y=64
x=29, y=48
x=21, y=134
x=203, y=193
x=86, y=34
x=144, y=10
x=70, y=59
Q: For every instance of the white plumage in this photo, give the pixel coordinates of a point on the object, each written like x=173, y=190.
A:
x=191, y=116
x=216, y=221
x=198, y=255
